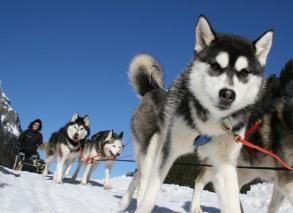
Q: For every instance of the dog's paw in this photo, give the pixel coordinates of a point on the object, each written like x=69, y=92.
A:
x=83, y=182
x=58, y=181
x=124, y=203
x=44, y=173
x=107, y=187
x=196, y=210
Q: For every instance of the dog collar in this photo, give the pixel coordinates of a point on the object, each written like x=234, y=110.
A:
x=201, y=140
x=72, y=146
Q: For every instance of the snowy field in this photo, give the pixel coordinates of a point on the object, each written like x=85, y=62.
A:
x=31, y=193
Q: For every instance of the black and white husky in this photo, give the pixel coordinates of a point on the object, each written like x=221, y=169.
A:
x=104, y=145
x=221, y=82
x=275, y=132
x=65, y=144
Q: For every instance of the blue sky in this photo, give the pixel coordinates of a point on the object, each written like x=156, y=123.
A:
x=62, y=57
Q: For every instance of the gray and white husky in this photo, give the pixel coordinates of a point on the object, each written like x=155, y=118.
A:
x=104, y=145
x=65, y=145
x=217, y=88
x=275, y=112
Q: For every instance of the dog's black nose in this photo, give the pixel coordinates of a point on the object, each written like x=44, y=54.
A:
x=75, y=134
x=227, y=96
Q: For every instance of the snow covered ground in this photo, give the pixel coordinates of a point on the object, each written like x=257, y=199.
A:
x=27, y=192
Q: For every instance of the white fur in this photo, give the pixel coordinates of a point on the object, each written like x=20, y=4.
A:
x=223, y=59
x=76, y=129
x=241, y=63
x=67, y=156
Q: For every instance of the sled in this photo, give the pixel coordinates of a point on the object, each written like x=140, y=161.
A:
x=32, y=164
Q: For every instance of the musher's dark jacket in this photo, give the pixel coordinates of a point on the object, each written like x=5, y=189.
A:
x=29, y=141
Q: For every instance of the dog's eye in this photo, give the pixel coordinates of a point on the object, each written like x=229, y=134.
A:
x=243, y=73
x=216, y=68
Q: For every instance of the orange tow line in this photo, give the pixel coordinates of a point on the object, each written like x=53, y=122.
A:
x=245, y=142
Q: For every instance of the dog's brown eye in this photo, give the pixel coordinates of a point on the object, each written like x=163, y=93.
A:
x=216, y=68
x=243, y=73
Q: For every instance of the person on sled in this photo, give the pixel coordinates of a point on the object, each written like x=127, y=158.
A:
x=29, y=141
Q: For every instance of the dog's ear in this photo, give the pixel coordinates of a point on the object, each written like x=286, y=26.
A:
x=263, y=46
x=121, y=135
x=74, y=117
x=204, y=34
x=109, y=136
x=86, y=120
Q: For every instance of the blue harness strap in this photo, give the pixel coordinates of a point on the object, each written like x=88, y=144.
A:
x=201, y=140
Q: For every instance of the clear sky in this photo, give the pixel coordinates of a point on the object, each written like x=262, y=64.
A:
x=58, y=57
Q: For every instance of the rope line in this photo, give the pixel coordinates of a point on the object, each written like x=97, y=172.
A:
x=208, y=165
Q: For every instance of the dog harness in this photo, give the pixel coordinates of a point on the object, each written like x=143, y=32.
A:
x=239, y=139
x=91, y=159
x=71, y=146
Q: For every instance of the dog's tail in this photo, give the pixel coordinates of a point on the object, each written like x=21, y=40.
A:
x=42, y=147
x=145, y=74
x=286, y=79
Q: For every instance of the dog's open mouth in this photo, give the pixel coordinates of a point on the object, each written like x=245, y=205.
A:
x=112, y=155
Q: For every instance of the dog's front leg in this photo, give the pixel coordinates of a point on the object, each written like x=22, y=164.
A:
x=226, y=185
x=108, y=169
x=163, y=162
x=86, y=174
x=125, y=200
x=48, y=162
x=276, y=199
x=59, y=169
x=68, y=168
x=74, y=176
x=205, y=176
x=225, y=177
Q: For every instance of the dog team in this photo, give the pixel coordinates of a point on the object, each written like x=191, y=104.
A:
x=223, y=86
x=70, y=143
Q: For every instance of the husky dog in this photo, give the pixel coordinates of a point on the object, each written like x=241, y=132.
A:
x=274, y=111
x=104, y=145
x=217, y=88
x=66, y=144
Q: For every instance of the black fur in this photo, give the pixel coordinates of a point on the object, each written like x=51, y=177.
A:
x=275, y=110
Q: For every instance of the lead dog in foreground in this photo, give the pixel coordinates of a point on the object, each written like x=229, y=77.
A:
x=275, y=113
x=217, y=88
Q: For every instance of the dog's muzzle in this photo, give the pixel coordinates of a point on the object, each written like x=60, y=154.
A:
x=226, y=98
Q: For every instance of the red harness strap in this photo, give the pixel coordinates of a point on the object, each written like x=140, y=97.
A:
x=89, y=160
x=239, y=139
x=250, y=132
x=252, y=129
x=246, y=143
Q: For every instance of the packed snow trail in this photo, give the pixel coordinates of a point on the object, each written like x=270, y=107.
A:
x=24, y=192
